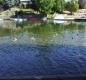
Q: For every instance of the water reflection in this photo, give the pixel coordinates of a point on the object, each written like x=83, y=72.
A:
x=58, y=21
x=42, y=33
x=44, y=51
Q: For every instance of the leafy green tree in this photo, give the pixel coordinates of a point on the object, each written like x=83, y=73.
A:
x=21, y=6
x=72, y=6
x=10, y=2
x=25, y=6
x=44, y=6
x=35, y=4
x=59, y=5
x=0, y=2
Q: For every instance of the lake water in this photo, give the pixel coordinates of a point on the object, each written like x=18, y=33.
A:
x=42, y=49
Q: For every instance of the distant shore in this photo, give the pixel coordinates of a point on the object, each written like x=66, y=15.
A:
x=6, y=15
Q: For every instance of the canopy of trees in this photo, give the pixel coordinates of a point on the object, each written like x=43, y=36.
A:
x=45, y=6
x=72, y=6
x=10, y=2
x=59, y=5
x=48, y=6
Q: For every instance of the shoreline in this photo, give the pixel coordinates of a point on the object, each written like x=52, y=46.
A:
x=67, y=18
x=7, y=15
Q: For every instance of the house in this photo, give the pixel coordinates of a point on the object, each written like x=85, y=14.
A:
x=26, y=1
x=82, y=3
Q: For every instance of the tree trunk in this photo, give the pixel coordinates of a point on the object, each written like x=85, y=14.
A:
x=71, y=13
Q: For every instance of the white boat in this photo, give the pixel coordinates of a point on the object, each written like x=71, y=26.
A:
x=58, y=19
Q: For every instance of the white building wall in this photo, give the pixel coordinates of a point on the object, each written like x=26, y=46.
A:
x=26, y=1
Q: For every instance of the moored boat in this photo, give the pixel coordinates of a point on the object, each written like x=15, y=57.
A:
x=82, y=19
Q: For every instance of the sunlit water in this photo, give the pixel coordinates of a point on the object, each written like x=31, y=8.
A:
x=42, y=49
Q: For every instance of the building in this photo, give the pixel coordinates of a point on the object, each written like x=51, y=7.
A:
x=82, y=3
x=26, y=1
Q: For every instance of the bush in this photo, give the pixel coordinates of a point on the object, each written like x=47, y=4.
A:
x=21, y=6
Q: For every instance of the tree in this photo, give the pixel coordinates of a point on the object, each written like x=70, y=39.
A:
x=0, y=2
x=10, y=2
x=59, y=5
x=44, y=6
x=72, y=6
x=35, y=4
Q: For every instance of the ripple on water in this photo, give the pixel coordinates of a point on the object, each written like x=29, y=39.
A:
x=22, y=60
